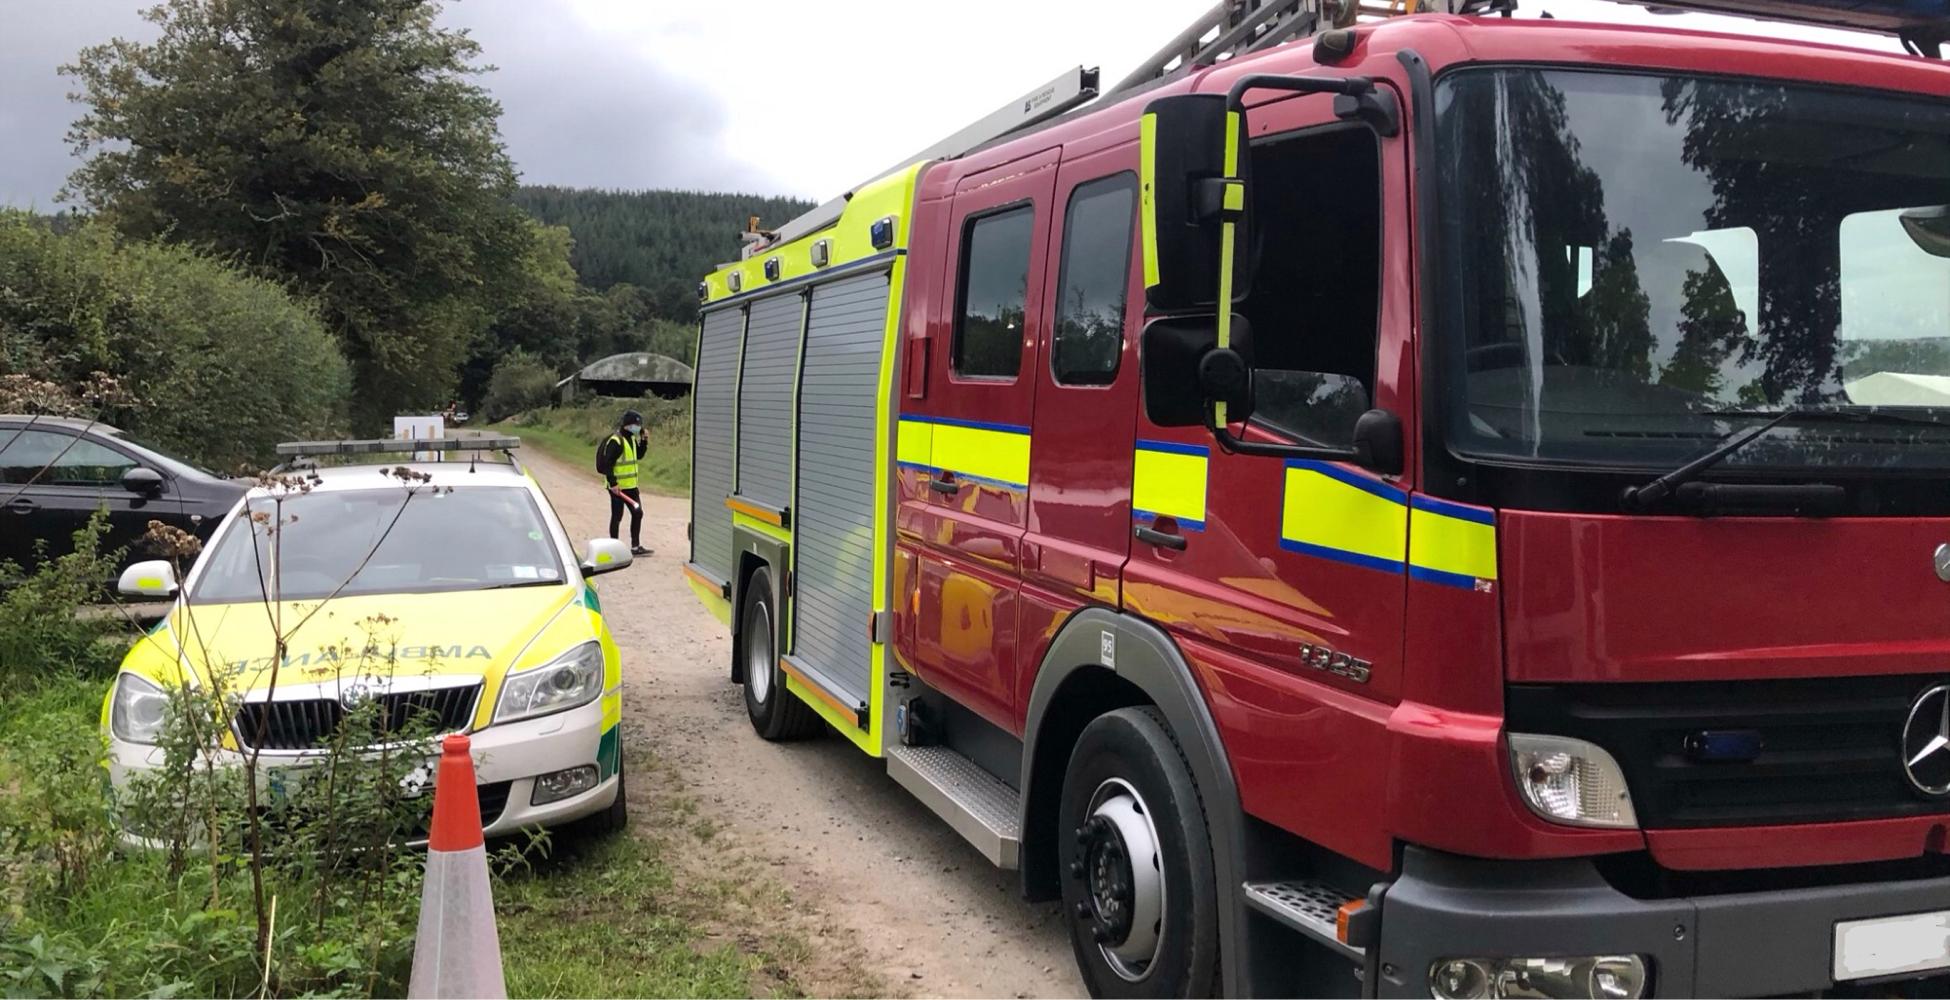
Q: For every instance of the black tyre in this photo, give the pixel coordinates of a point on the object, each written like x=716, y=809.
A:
x=1138, y=889
x=776, y=714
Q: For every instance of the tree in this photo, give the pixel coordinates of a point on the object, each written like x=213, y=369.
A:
x=339, y=145
x=520, y=382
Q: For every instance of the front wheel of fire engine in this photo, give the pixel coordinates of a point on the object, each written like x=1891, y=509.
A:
x=1138, y=887
x=775, y=712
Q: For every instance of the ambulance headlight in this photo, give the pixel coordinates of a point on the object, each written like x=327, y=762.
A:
x=1571, y=781
x=569, y=681
x=137, y=714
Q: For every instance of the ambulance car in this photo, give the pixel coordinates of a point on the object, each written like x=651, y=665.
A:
x=446, y=591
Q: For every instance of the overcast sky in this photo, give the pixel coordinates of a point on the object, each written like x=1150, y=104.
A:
x=805, y=97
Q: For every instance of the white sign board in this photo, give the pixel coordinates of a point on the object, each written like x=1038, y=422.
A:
x=420, y=428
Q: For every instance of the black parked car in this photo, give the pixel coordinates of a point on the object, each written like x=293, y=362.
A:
x=56, y=472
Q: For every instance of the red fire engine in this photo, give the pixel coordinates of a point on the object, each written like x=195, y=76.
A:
x=1533, y=582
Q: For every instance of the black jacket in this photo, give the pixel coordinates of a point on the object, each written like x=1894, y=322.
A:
x=610, y=450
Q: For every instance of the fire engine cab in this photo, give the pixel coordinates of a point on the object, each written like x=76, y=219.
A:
x=1385, y=503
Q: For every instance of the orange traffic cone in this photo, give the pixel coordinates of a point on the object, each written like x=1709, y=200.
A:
x=457, y=952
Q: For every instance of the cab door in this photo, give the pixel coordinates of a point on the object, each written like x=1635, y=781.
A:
x=1287, y=578
x=1086, y=403
x=964, y=444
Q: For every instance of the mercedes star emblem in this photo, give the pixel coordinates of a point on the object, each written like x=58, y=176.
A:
x=1943, y=562
x=1926, y=742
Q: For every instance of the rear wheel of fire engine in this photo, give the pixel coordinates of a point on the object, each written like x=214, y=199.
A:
x=776, y=713
x=1138, y=887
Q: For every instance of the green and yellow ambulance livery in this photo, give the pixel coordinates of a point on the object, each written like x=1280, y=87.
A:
x=454, y=603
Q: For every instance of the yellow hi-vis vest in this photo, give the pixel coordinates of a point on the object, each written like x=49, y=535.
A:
x=625, y=469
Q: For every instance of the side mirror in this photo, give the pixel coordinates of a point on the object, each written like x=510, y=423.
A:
x=1929, y=228
x=1179, y=363
x=604, y=555
x=143, y=481
x=155, y=578
x=1378, y=442
x=1187, y=193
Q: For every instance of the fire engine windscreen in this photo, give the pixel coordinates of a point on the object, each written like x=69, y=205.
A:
x=1637, y=266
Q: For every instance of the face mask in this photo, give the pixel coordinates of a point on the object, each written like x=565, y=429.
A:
x=632, y=428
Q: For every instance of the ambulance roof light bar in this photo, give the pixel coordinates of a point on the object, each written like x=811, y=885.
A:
x=398, y=446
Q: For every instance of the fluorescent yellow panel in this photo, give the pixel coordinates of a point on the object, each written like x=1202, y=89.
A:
x=1170, y=483
x=1326, y=514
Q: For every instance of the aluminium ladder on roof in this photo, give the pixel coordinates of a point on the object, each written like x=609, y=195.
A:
x=1232, y=28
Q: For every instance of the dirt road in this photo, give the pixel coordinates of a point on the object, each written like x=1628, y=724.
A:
x=871, y=875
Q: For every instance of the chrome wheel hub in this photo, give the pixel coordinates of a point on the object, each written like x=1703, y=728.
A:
x=1119, y=862
x=758, y=653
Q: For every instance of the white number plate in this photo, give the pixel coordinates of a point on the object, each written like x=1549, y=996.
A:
x=1889, y=946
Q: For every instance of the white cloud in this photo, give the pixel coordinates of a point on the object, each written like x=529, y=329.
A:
x=804, y=97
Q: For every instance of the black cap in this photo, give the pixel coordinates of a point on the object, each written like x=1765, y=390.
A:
x=630, y=417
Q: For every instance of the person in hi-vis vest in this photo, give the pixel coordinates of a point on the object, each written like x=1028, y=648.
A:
x=616, y=459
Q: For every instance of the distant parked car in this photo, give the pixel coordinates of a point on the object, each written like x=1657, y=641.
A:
x=56, y=472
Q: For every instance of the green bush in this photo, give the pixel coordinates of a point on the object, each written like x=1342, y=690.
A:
x=41, y=634
x=520, y=382
x=222, y=366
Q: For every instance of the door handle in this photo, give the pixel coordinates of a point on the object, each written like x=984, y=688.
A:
x=21, y=505
x=1163, y=539
x=944, y=485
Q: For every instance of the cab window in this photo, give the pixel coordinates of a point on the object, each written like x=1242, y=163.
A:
x=994, y=287
x=1090, y=291
x=1315, y=303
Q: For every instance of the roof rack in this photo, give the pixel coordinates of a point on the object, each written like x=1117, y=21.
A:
x=1922, y=25
x=1233, y=28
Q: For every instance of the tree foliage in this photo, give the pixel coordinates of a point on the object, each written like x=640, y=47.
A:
x=342, y=145
x=661, y=242
x=520, y=382
x=221, y=365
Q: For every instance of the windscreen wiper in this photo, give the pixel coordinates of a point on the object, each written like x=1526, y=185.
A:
x=1811, y=499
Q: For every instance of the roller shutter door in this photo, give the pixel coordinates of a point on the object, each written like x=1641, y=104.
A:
x=716, y=387
x=765, y=401
x=833, y=592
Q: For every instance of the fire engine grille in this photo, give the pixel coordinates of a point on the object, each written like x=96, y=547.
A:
x=311, y=723
x=1808, y=751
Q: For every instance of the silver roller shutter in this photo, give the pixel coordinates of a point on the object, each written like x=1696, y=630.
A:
x=715, y=386
x=833, y=589
x=765, y=401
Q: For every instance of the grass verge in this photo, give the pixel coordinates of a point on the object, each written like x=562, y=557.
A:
x=598, y=919
x=571, y=433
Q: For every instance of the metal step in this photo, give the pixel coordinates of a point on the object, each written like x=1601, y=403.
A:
x=976, y=803
x=1306, y=906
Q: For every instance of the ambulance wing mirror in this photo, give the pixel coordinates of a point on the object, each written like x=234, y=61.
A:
x=604, y=555
x=155, y=578
x=1929, y=228
x=1184, y=371
x=1184, y=188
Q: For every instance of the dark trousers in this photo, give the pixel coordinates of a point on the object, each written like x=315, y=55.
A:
x=616, y=508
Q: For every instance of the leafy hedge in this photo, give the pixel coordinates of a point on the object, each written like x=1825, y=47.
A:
x=223, y=366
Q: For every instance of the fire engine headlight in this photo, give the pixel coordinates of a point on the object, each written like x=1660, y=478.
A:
x=1595, y=977
x=569, y=681
x=1571, y=781
x=136, y=715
